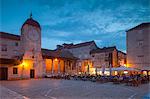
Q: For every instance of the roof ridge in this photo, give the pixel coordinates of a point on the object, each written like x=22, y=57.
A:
x=141, y=24
x=9, y=36
x=85, y=42
x=79, y=44
x=9, y=33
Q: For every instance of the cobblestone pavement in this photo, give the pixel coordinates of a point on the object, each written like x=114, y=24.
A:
x=69, y=89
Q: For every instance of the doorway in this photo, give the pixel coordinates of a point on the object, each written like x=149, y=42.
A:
x=32, y=73
x=3, y=73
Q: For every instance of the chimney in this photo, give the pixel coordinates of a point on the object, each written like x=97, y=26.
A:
x=59, y=46
x=67, y=45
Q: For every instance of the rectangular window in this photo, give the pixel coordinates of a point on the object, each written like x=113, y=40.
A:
x=140, y=56
x=140, y=43
x=4, y=48
x=16, y=43
x=15, y=70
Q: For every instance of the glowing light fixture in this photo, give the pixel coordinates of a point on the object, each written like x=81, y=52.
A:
x=145, y=72
x=125, y=65
x=23, y=63
x=125, y=72
x=116, y=72
x=55, y=59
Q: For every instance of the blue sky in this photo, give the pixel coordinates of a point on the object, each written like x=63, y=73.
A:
x=67, y=21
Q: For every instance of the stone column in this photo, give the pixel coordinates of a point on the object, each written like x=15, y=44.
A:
x=71, y=67
x=64, y=67
x=66, y=64
x=52, y=67
x=58, y=66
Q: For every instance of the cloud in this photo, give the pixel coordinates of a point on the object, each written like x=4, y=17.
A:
x=62, y=21
x=52, y=43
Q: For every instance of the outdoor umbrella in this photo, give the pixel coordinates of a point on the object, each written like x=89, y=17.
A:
x=123, y=68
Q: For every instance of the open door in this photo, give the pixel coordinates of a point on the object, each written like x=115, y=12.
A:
x=3, y=73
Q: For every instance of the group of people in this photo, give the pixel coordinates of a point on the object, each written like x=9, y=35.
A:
x=132, y=80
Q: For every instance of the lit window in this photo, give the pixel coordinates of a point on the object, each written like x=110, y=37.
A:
x=15, y=70
x=145, y=72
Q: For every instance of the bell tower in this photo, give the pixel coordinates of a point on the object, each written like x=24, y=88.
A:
x=31, y=46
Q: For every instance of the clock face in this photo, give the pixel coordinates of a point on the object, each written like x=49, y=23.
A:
x=33, y=35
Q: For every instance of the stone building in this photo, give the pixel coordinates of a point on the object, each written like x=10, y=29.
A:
x=24, y=50
x=9, y=54
x=106, y=58
x=82, y=52
x=59, y=62
x=122, y=58
x=21, y=56
x=138, y=47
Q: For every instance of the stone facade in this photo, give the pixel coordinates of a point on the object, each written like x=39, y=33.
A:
x=26, y=49
x=138, y=47
x=21, y=57
x=84, y=63
x=107, y=57
x=31, y=48
x=10, y=45
x=59, y=62
x=122, y=58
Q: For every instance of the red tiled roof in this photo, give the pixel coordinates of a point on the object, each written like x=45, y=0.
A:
x=57, y=54
x=70, y=46
x=49, y=53
x=32, y=22
x=140, y=26
x=9, y=36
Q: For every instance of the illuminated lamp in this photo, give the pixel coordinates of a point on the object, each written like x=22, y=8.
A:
x=107, y=72
x=125, y=72
x=55, y=59
x=145, y=72
x=125, y=65
x=116, y=72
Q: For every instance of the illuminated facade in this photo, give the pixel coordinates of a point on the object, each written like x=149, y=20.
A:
x=84, y=63
x=138, y=47
x=59, y=62
x=21, y=56
x=24, y=51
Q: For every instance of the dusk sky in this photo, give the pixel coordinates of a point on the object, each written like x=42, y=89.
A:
x=75, y=21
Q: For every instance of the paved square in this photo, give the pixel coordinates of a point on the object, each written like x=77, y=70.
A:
x=71, y=89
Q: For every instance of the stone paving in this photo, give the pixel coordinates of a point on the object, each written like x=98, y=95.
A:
x=69, y=89
x=6, y=93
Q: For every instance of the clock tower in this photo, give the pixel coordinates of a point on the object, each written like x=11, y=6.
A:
x=31, y=48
